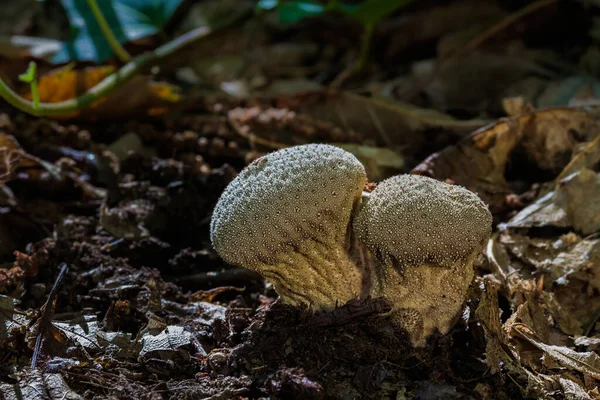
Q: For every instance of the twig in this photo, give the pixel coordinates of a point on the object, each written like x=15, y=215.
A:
x=47, y=312
x=114, y=44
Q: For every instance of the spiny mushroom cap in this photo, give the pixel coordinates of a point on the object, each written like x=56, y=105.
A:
x=412, y=220
x=287, y=216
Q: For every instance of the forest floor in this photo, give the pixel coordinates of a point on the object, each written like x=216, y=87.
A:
x=110, y=287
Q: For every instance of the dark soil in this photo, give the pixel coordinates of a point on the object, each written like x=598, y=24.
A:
x=142, y=254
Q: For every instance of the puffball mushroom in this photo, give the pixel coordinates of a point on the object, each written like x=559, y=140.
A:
x=425, y=235
x=287, y=216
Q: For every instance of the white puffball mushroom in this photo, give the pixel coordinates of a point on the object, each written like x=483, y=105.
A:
x=287, y=216
x=425, y=235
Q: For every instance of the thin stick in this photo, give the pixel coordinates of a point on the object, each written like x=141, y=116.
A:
x=48, y=311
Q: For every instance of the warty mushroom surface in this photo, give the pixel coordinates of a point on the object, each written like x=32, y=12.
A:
x=287, y=216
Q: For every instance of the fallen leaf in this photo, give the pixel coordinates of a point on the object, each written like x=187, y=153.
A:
x=11, y=322
x=35, y=385
x=572, y=390
x=82, y=330
x=166, y=345
x=547, y=137
x=586, y=362
x=14, y=158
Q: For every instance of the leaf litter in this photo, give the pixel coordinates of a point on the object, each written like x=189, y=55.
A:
x=146, y=309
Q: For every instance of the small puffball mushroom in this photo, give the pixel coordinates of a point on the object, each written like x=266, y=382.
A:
x=287, y=216
x=425, y=235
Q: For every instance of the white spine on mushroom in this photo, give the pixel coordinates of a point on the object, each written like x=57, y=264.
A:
x=286, y=216
x=425, y=235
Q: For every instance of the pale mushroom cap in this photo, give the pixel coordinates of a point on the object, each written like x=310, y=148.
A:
x=413, y=220
x=281, y=200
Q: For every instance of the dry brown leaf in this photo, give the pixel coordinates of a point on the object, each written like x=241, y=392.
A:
x=585, y=362
x=548, y=138
x=574, y=203
x=572, y=390
x=488, y=313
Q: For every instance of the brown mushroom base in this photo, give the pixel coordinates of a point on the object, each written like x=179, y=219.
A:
x=426, y=298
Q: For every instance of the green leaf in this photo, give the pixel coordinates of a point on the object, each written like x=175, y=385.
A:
x=371, y=11
x=291, y=12
x=128, y=19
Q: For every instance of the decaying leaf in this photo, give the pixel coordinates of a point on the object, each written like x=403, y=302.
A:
x=35, y=385
x=83, y=330
x=572, y=390
x=568, y=204
x=586, y=362
x=550, y=278
x=11, y=322
x=548, y=138
x=165, y=345
x=12, y=158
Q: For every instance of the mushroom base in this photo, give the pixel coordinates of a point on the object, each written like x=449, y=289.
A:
x=426, y=298
x=315, y=276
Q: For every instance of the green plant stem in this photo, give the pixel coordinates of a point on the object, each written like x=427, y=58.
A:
x=114, y=44
x=107, y=85
x=35, y=96
x=365, y=47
